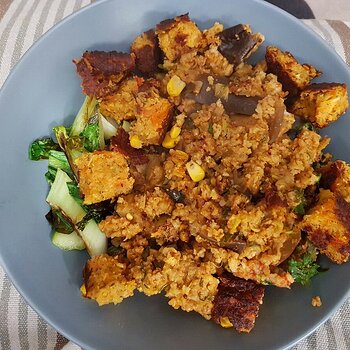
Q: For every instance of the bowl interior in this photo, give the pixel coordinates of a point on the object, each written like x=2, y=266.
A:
x=44, y=90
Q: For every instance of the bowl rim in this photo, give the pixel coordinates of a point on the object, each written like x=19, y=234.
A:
x=36, y=307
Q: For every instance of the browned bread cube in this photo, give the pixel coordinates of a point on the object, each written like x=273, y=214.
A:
x=328, y=226
x=336, y=177
x=122, y=105
x=293, y=76
x=153, y=119
x=177, y=36
x=105, y=280
x=237, y=303
x=101, y=71
x=140, y=100
x=103, y=175
x=322, y=103
x=147, y=51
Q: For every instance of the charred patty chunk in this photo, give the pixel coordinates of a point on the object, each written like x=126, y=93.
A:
x=293, y=76
x=120, y=143
x=322, y=103
x=328, y=226
x=101, y=71
x=178, y=36
x=147, y=51
x=237, y=303
x=238, y=43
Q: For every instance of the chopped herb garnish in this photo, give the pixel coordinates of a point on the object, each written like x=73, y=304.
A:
x=302, y=271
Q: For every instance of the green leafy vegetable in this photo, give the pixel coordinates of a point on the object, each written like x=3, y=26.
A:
x=87, y=110
x=302, y=271
x=306, y=126
x=59, y=221
x=97, y=211
x=58, y=160
x=210, y=129
x=91, y=137
x=75, y=193
x=114, y=251
x=40, y=148
x=72, y=147
x=300, y=208
x=50, y=175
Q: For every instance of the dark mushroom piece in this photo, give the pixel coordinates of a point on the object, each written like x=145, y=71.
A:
x=276, y=121
x=208, y=94
x=238, y=43
x=176, y=195
x=235, y=245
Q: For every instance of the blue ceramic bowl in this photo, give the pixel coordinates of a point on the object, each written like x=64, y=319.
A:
x=44, y=90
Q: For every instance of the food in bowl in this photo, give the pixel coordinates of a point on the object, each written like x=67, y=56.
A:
x=190, y=172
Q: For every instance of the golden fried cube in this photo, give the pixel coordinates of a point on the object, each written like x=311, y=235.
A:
x=122, y=105
x=103, y=175
x=322, y=103
x=328, y=226
x=178, y=36
x=105, y=280
x=293, y=76
x=153, y=119
x=336, y=177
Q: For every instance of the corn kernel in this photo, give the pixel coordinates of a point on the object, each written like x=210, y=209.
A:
x=175, y=86
x=169, y=142
x=135, y=141
x=174, y=132
x=225, y=322
x=195, y=171
x=129, y=216
x=83, y=290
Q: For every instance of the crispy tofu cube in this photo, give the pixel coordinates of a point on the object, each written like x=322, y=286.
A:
x=153, y=119
x=101, y=71
x=336, y=177
x=103, y=175
x=178, y=36
x=122, y=105
x=328, y=226
x=293, y=76
x=147, y=51
x=105, y=280
x=322, y=103
x=140, y=100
